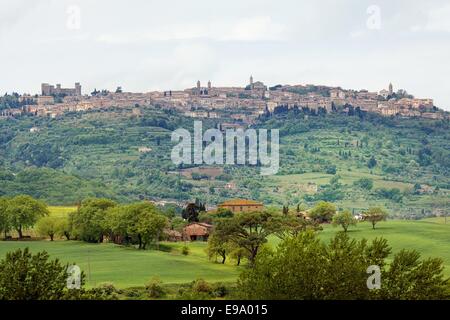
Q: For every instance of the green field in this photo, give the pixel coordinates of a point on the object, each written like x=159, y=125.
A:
x=127, y=267
x=430, y=238
x=59, y=211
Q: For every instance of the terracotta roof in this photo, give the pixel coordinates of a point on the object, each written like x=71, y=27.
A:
x=203, y=224
x=240, y=202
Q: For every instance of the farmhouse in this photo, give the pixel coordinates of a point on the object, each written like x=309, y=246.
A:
x=241, y=205
x=197, y=231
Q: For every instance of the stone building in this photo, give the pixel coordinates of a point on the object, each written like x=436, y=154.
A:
x=48, y=90
x=241, y=205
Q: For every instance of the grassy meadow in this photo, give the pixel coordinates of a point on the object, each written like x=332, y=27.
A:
x=430, y=237
x=129, y=267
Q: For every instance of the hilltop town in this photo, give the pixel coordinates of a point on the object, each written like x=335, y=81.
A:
x=240, y=103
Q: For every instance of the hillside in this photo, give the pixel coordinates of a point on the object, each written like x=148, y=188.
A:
x=354, y=161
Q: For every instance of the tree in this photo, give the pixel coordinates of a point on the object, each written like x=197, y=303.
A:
x=24, y=211
x=89, y=220
x=331, y=169
x=217, y=246
x=139, y=222
x=374, y=215
x=344, y=219
x=211, y=216
x=64, y=227
x=117, y=223
x=206, y=217
x=236, y=252
x=24, y=276
x=177, y=223
x=48, y=226
x=304, y=267
x=372, y=162
x=192, y=211
x=150, y=226
x=410, y=278
x=364, y=183
x=249, y=230
x=323, y=212
x=293, y=224
x=5, y=223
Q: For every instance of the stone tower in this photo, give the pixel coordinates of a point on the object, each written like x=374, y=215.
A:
x=198, y=84
x=77, y=89
x=391, y=89
x=209, y=84
x=251, y=82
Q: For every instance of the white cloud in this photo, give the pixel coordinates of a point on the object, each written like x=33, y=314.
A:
x=255, y=29
x=13, y=11
x=259, y=28
x=439, y=19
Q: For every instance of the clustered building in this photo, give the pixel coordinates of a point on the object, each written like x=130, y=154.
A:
x=243, y=104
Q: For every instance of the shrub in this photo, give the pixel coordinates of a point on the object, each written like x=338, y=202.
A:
x=201, y=286
x=344, y=219
x=185, y=250
x=330, y=169
x=132, y=293
x=219, y=290
x=323, y=212
x=24, y=276
x=155, y=289
x=107, y=287
x=364, y=183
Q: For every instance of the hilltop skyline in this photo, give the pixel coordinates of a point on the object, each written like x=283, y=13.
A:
x=171, y=45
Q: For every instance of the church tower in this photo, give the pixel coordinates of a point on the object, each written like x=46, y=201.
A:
x=391, y=89
x=198, y=84
x=209, y=84
x=251, y=82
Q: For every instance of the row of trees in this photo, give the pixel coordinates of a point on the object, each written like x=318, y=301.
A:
x=325, y=212
x=243, y=234
x=136, y=223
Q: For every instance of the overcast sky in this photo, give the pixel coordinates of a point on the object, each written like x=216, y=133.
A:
x=145, y=45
